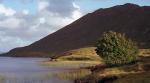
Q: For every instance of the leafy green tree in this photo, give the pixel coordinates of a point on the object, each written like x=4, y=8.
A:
x=116, y=49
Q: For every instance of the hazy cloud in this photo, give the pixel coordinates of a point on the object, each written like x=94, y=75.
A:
x=6, y=10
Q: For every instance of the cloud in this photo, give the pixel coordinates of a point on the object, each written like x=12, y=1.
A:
x=42, y=5
x=10, y=23
x=6, y=11
x=61, y=7
x=22, y=28
x=26, y=12
x=64, y=11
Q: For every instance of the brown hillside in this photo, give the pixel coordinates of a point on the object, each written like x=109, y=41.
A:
x=130, y=19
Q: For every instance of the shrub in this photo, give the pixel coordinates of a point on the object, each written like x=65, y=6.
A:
x=116, y=49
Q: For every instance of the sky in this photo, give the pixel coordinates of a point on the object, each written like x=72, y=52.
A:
x=23, y=22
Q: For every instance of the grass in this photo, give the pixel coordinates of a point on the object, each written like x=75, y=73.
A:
x=89, y=54
x=85, y=57
x=81, y=51
x=135, y=78
x=136, y=73
x=75, y=74
x=82, y=57
x=145, y=52
x=71, y=64
x=82, y=54
x=133, y=73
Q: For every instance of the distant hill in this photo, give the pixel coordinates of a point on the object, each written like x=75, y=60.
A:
x=130, y=19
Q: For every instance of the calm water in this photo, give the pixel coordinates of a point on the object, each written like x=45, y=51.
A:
x=28, y=70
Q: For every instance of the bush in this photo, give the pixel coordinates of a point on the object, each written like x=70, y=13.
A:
x=116, y=49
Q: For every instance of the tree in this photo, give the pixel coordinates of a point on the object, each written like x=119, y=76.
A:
x=116, y=49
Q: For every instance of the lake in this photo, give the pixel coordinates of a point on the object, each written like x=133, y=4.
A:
x=28, y=70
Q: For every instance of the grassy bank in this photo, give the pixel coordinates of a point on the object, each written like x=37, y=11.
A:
x=132, y=73
x=71, y=64
x=87, y=58
x=82, y=57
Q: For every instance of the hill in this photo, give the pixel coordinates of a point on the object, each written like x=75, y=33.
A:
x=130, y=19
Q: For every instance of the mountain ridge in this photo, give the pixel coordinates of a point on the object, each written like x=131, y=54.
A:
x=129, y=19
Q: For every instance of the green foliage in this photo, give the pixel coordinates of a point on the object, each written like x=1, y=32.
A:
x=116, y=49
